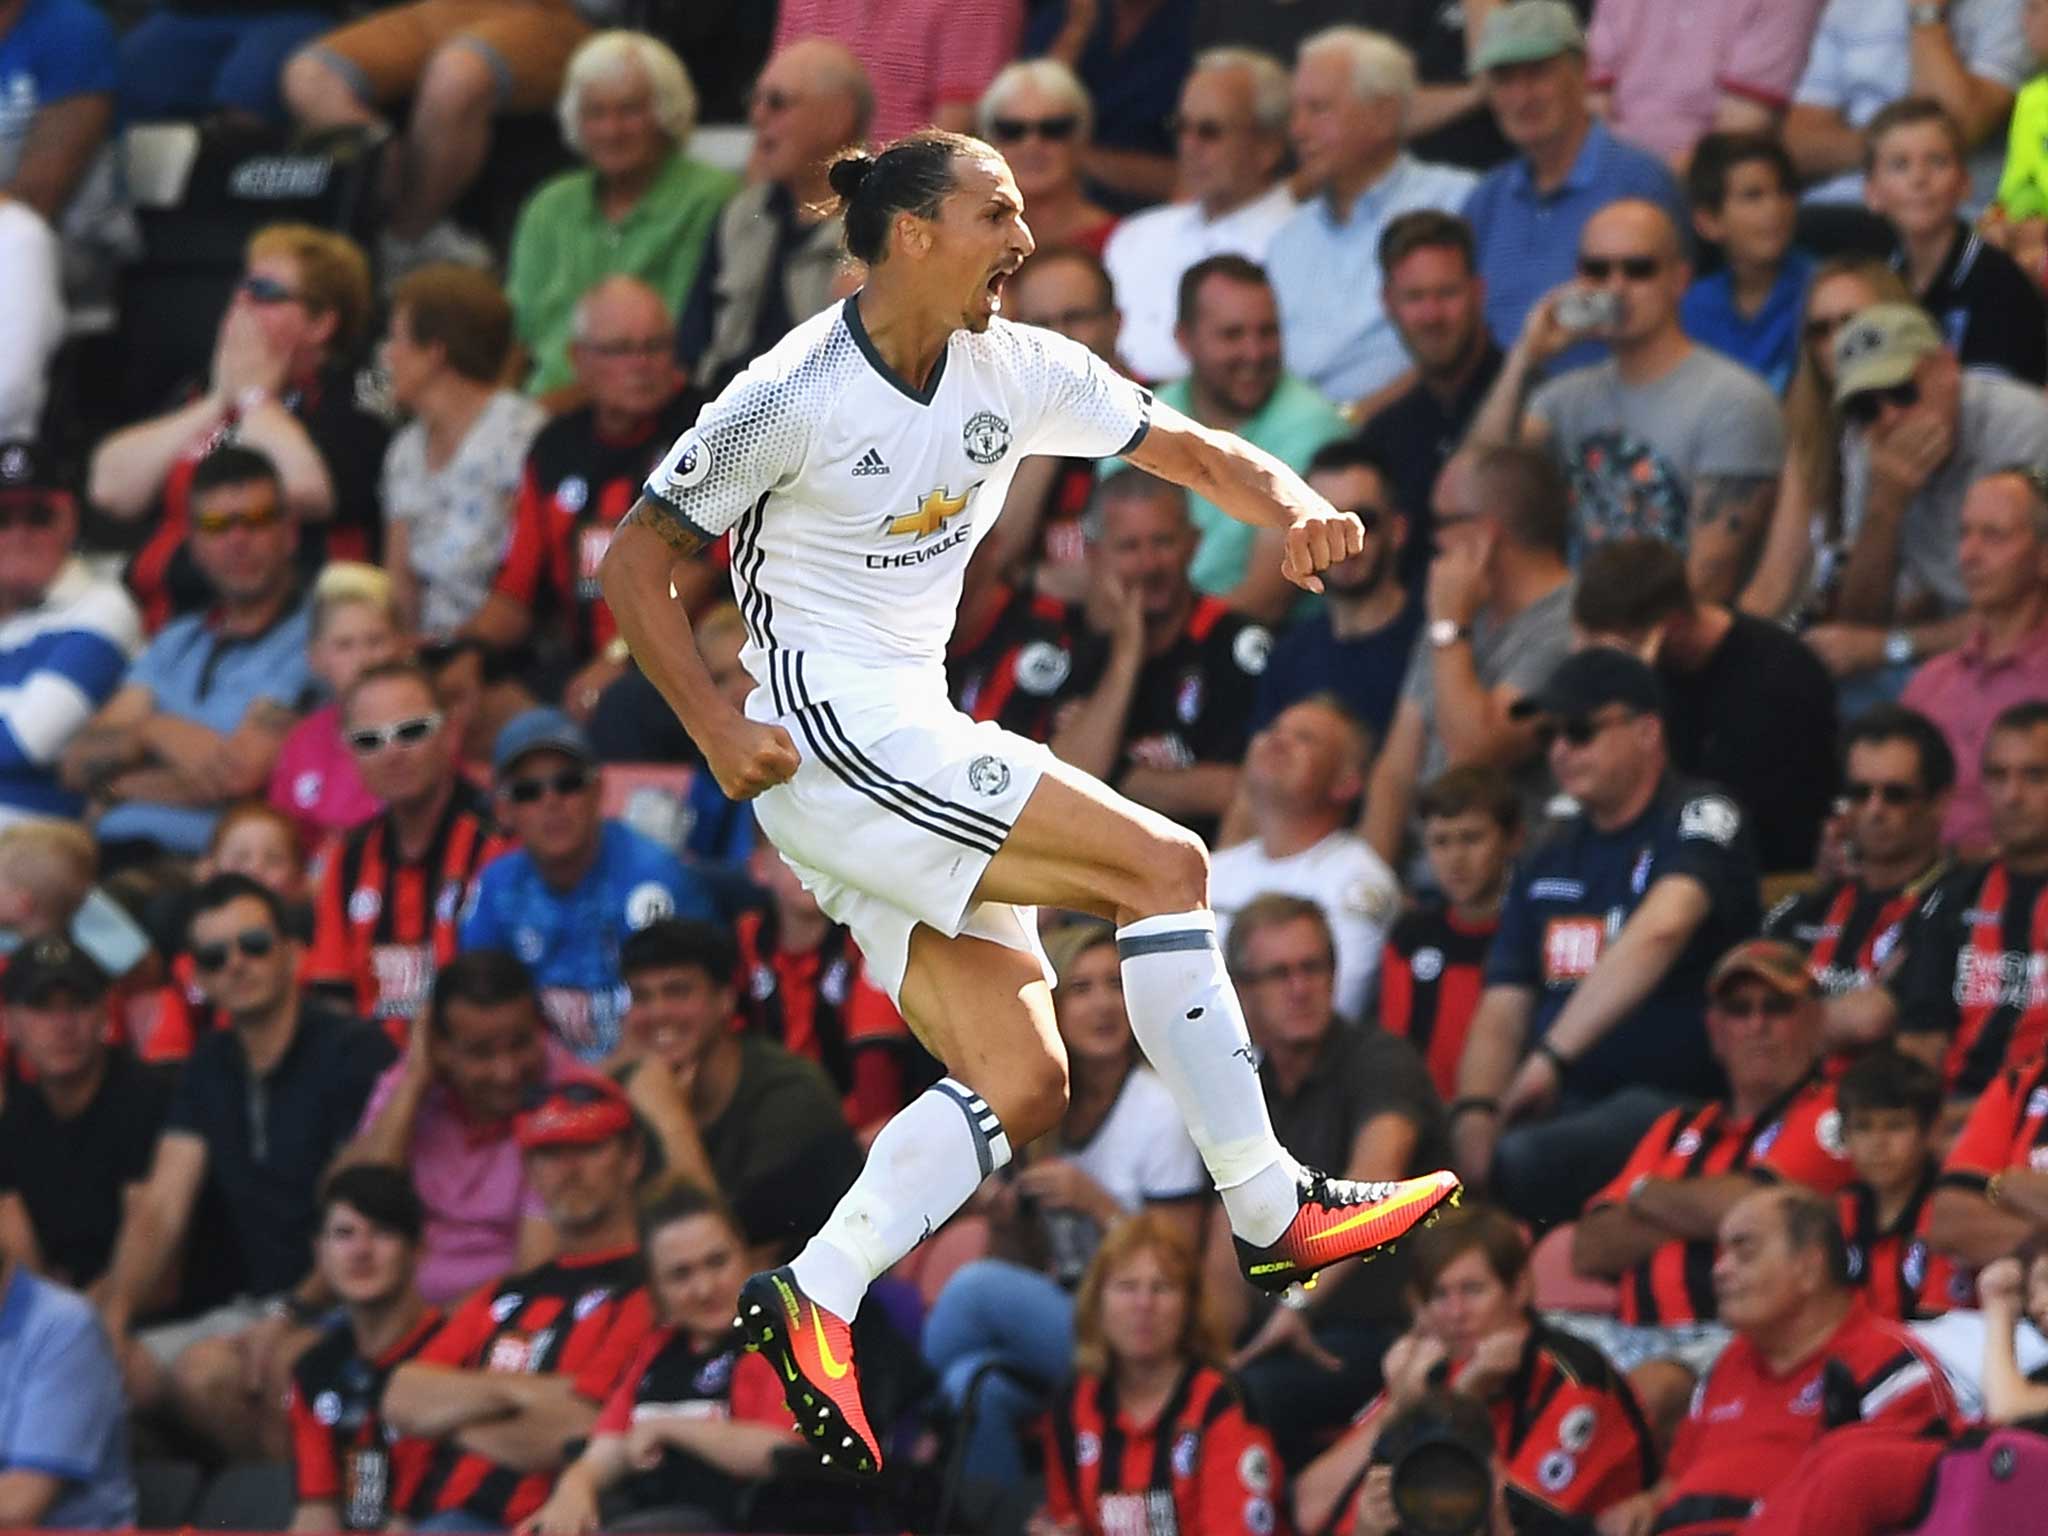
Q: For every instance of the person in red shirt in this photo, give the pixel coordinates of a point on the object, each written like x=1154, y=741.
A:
x=1993, y=1191
x=521, y=1367
x=806, y=988
x=1431, y=970
x=366, y=1252
x=1566, y=1428
x=696, y=1415
x=1151, y=1439
x=1890, y=1103
x=1808, y=1357
x=1651, y=1230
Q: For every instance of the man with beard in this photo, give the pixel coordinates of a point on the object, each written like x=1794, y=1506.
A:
x=1229, y=327
x=1356, y=645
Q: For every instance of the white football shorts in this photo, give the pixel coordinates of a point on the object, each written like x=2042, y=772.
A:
x=898, y=806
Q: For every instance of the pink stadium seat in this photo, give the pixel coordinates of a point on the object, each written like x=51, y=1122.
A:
x=1558, y=1287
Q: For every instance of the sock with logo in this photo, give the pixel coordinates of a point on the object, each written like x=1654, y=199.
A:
x=1186, y=1017
x=921, y=1169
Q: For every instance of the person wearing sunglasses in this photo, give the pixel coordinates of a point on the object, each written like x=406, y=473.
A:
x=1230, y=133
x=1919, y=432
x=1040, y=116
x=1626, y=429
x=66, y=634
x=201, y=715
x=576, y=886
x=1352, y=93
x=282, y=382
x=1591, y=1024
x=388, y=914
x=1650, y=1228
x=261, y=1111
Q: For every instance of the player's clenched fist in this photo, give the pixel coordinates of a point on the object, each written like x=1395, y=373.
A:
x=1318, y=540
x=749, y=757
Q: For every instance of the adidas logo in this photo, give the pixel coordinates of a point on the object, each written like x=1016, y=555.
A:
x=871, y=464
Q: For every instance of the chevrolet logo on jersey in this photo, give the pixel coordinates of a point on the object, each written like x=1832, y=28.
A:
x=932, y=512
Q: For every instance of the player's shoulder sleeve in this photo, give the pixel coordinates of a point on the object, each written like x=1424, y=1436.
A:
x=1905, y=1388
x=1709, y=839
x=1984, y=1145
x=749, y=441
x=1079, y=406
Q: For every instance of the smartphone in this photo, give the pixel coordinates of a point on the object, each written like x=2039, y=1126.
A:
x=104, y=930
x=1583, y=310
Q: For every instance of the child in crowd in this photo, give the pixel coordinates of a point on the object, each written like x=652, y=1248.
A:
x=1430, y=968
x=2012, y=1291
x=2017, y=222
x=1889, y=1103
x=1917, y=177
x=1745, y=200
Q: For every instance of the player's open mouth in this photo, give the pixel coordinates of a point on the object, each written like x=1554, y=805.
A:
x=994, y=287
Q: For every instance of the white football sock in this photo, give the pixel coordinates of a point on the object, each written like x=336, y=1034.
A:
x=922, y=1167
x=1189, y=1025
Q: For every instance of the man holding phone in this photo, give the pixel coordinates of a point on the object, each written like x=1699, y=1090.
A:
x=1664, y=438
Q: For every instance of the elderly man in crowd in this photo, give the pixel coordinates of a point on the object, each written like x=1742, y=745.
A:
x=1352, y=90
x=66, y=636
x=1665, y=438
x=774, y=257
x=583, y=473
x=641, y=206
x=1528, y=214
x=1231, y=132
x=1920, y=432
x=202, y=713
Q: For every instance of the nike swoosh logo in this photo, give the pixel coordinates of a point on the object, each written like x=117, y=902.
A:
x=832, y=1367
x=789, y=1370
x=1374, y=1213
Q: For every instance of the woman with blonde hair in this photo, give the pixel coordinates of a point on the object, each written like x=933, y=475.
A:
x=1150, y=1419
x=355, y=627
x=1804, y=548
x=1039, y=115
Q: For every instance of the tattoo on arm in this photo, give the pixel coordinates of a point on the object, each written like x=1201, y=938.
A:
x=1728, y=517
x=667, y=524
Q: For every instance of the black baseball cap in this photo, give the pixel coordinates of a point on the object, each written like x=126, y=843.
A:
x=50, y=965
x=1586, y=680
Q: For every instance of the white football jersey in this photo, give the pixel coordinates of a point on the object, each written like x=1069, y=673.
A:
x=854, y=501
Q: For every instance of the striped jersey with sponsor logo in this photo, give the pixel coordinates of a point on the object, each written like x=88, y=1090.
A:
x=854, y=497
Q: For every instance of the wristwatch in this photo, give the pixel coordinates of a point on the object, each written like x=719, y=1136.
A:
x=1924, y=14
x=1444, y=633
x=1898, y=648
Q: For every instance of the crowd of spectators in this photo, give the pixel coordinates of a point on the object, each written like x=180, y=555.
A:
x=408, y=1050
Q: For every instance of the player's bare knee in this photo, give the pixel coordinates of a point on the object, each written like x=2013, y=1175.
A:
x=1029, y=1097
x=1173, y=874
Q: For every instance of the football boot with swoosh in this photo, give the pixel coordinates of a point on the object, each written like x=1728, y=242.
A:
x=812, y=1351
x=1344, y=1219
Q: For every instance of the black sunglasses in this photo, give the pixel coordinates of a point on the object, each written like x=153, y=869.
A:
x=1207, y=129
x=1856, y=792
x=1578, y=730
x=1865, y=406
x=570, y=781
x=1597, y=269
x=1054, y=130
x=39, y=515
x=254, y=943
x=1775, y=1005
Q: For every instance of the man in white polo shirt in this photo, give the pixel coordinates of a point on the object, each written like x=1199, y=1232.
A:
x=1231, y=133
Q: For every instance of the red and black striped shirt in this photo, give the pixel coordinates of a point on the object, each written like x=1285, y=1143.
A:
x=1976, y=971
x=1849, y=930
x=1018, y=669
x=1798, y=1138
x=584, y=1318
x=1430, y=981
x=2007, y=1128
x=1199, y=1468
x=342, y=1454
x=384, y=925
x=1900, y=1275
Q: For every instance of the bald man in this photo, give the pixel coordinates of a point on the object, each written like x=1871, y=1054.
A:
x=583, y=472
x=1663, y=438
x=775, y=259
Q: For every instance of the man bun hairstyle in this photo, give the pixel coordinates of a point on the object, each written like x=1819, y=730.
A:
x=913, y=175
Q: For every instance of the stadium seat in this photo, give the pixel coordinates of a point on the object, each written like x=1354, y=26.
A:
x=1560, y=1288
x=165, y=1488
x=1999, y=1486
x=248, y=1496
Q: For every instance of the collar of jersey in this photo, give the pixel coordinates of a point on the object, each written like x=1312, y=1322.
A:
x=859, y=332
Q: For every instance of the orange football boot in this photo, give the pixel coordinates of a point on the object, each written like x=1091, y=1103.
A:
x=1344, y=1219
x=812, y=1351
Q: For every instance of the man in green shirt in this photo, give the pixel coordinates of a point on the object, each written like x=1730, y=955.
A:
x=1229, y=327
x=640, y=205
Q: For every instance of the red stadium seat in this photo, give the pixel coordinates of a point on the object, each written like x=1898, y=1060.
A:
x=1559, y=1288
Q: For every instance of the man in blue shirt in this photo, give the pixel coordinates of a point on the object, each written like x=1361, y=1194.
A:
x=577, y=885
x=63, y=1423
x=1596, y=985
x=1527, y=214
x=199, y=721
